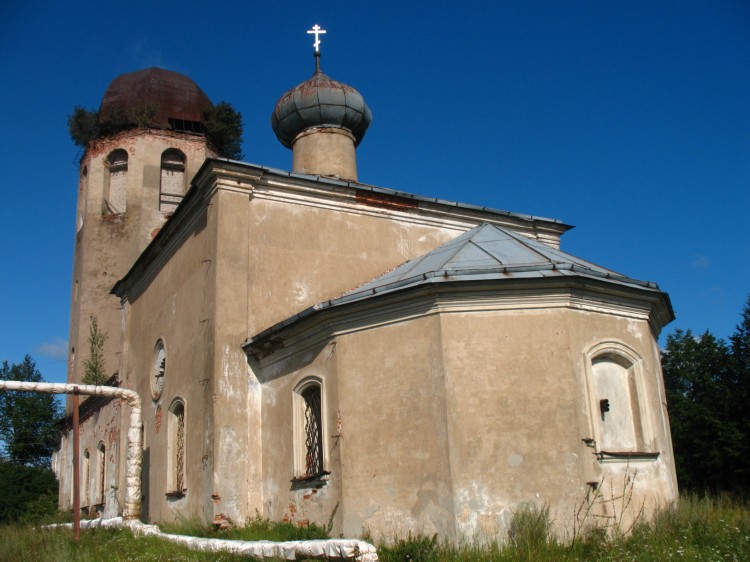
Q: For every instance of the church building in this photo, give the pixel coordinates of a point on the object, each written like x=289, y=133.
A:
x=315, y=349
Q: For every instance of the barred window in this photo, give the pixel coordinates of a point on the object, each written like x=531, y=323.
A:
x=177, y=448
x=313, y=433
x=101, y=458
x=86, y=478
x=158, y=370
x=309, y=441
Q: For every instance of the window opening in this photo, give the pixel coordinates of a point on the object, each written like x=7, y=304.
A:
x=159, y=370
x=177, y=450
x=86, y=477
x=82, y=195
x=185, y=126
x=313, y=431
x=102, y=473
x=172, y=180
x=115, y=201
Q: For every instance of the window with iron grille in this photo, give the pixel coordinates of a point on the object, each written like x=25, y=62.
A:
x=86, y=478
x=313, y=432
x=158, y=370
x=177, y=448
x=101, y=459
x=309, y=431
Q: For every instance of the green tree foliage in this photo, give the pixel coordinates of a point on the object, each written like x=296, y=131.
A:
x=27, y=494
x=27, y=419
x=94, y=372
x=83, y=126
x=222, y=122
x=224, y=129
x=707, y=384
x=740, y=342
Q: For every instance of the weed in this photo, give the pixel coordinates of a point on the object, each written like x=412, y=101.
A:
x=531, y=529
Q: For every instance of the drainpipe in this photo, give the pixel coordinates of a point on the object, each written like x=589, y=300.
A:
x=134, y=461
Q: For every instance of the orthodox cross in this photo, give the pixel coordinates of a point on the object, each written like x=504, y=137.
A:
x=317, y=32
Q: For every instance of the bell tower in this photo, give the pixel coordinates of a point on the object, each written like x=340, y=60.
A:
x=133, y=175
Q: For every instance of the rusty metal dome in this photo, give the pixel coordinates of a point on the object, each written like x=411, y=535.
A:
x=320, y=102
x=166, y=96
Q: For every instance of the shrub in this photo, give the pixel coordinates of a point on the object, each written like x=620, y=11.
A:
x=28, y=493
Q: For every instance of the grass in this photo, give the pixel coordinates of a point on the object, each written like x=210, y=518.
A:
x=257, y=529
x=699, y=528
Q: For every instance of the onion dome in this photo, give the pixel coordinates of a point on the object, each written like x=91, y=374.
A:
x=320, y=102
x=162, y=98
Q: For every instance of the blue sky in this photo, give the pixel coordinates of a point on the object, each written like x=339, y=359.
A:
x=629, y=120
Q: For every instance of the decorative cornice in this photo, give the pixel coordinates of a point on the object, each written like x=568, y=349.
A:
x=314, y=327
x=259, y=182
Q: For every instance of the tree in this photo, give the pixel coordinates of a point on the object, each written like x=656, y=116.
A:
x=94, y=372
x=740, y=342
x=27, y=419
x=708, y=392
x=224, y=129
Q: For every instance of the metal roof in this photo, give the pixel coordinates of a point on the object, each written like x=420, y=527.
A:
x=169, y=94
x=383, y=190
x=320, y=102
x=484, y=253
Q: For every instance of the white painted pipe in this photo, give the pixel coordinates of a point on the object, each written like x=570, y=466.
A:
x=134, y=461
x=319, y=549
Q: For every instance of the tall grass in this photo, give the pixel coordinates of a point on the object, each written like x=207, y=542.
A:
x=698, y=528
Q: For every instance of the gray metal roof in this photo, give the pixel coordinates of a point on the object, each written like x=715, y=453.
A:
x=320, y=102
x=486, y=252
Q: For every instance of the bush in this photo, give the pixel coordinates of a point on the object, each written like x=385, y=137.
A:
x=28, y=493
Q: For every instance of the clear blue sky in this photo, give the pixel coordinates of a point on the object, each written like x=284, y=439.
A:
x=629, y=120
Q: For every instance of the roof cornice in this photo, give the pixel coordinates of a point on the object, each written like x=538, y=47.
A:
x=317, y=324
x=260, y=182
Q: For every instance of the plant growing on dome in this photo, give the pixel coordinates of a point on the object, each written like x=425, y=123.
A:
x=224, y=129
x=83, y=126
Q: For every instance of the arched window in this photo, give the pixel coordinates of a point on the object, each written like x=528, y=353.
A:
x=172, y=180
x=176, y=479
x=82, y=196
x=617, y=401
x=115, y=196
x=158, y=370
x=309, y=460
x=86, y=478
x=100, y=473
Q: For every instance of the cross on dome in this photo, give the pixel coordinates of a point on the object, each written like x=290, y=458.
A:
x=317, y=32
